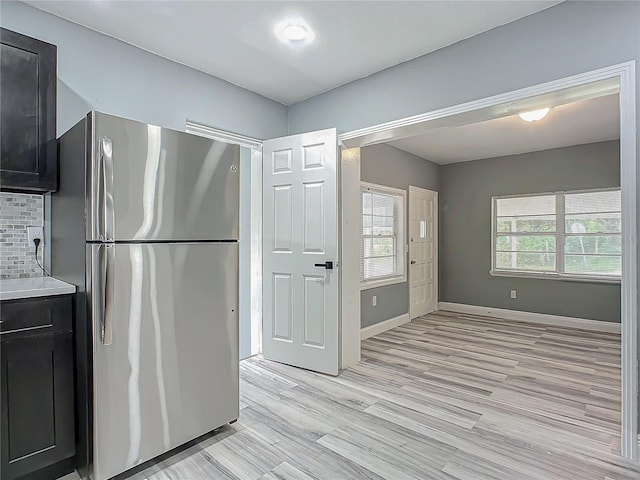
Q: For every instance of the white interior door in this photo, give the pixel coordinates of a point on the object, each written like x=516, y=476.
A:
x=300, y=238
x=423, y=251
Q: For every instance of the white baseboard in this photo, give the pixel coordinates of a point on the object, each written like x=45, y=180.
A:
x=581, y=323
x=378, y=328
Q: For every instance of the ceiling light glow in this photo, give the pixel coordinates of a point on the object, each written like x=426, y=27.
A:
x=534, y=115
x=294, y=32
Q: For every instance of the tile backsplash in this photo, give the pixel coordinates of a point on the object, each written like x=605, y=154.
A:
x=17, y=212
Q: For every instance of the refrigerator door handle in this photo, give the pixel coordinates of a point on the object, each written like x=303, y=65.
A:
x=102, y=291
x=106, y=171
x=108, y=280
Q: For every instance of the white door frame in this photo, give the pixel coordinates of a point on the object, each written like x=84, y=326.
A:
x=625, y=74
x=436, y=228
x=349, y=227
x=255, y=235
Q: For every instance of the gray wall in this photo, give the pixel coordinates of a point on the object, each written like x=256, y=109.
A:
x=98, y=72
x=566, y=39
x=465, y=213
x=386, y=165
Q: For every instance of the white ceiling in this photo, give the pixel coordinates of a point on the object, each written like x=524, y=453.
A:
x=577, y=123
x=234, y=40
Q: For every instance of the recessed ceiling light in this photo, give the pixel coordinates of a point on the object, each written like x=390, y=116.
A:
x=534, y=115
x=294, y=32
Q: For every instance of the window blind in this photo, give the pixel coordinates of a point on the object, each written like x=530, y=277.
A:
x=567, y=233
x=382, y=234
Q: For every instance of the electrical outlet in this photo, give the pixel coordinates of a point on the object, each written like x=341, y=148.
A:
x=514, y=294
x=374, y=300
x=33, y=233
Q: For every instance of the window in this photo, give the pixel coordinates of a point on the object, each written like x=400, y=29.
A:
x=382, y=254
x=566, y=234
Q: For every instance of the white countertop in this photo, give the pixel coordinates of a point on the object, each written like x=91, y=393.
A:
x=11, y=289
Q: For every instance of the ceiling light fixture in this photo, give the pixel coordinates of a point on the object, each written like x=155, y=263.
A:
x=534, y=115
x=294, y=32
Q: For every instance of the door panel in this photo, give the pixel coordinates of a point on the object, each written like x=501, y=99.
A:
x=37, y=421
x=314, y=234
x=170, y=373
x=161, y=184
x=282, y=219
x=423, y=251
x=314, y=311
x=282, y=307
x=300, y=310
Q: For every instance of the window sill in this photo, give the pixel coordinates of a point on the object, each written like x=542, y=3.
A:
x=556, y=276
x=383, y=282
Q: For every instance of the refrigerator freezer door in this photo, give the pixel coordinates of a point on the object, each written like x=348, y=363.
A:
x=170, y=373
x=149, y=183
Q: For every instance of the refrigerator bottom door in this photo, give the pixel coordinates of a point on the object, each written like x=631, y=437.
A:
x=167, y=369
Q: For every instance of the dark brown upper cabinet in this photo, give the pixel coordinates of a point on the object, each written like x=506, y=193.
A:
x=28, y=151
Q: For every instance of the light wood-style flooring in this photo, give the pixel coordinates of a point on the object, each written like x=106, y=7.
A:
x=447, y=396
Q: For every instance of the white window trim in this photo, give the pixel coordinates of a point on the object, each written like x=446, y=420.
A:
x=571, y=277
x=402, y=245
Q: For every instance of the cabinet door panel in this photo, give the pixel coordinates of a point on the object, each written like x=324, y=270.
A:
x=19, y=115
x=28, y=155
x=32, y=418
x=37, y=403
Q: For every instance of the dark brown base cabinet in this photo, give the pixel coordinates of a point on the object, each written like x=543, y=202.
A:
x=37, y=419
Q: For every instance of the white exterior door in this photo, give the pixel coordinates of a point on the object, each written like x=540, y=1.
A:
x=300, y=242
x=423, y=251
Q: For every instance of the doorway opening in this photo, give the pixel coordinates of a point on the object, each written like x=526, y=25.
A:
x=619, y=78
x=250, y=268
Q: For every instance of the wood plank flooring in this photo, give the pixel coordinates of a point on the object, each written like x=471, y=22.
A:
x=447, y=396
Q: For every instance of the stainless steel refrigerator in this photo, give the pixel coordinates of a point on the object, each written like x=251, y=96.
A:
x=145, y=224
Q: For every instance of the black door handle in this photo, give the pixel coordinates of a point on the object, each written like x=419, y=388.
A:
x=327, y=265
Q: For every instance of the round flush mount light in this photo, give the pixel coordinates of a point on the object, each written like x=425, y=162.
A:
x=294, y=32
x=534, y=115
